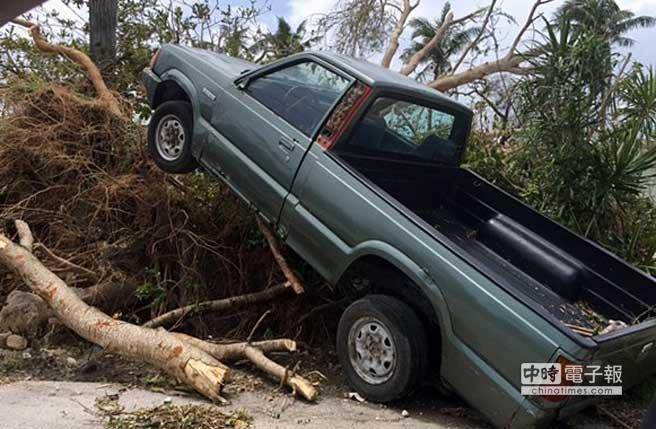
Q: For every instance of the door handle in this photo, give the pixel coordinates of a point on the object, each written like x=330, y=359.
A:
x=287, y=145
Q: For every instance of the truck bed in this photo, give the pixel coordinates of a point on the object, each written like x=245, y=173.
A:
x=447, y=221
x=568, y=278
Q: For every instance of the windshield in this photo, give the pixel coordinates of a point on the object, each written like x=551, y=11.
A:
x=403, y=130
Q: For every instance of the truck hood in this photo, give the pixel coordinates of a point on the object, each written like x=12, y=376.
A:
x=229, y=66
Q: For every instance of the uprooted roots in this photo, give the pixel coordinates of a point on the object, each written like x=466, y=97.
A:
x=102, y=211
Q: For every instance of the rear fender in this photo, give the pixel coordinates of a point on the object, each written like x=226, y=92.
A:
x=416, y=274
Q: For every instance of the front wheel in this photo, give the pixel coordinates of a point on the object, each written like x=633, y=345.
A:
x=382, y=347
x=170, y=136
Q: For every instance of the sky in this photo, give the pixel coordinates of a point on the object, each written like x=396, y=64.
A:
x=295, y=11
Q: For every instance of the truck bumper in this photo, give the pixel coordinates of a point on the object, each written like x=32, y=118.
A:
x=150, y=80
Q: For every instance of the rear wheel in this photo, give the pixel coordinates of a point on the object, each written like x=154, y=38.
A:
x=382, y=347
x=170, y=136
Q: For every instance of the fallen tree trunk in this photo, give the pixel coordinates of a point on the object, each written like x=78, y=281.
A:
x=189, y=359
x=187, y=363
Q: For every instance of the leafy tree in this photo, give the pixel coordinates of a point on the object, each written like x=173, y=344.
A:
x=586, y=157
x=284, y=41
x=455, y=41
x=609, y=23
x=603, y=18
x=360, y=27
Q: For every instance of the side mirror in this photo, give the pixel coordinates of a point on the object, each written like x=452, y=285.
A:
x=242, y=84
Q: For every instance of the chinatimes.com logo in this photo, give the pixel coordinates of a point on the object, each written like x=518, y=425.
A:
x=555, y=379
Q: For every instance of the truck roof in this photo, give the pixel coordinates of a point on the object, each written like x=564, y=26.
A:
x=379, y=77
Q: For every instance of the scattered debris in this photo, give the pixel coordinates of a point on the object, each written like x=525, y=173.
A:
x=193, y=361
x=179, y=417
x=581, y=330
x=355, y=395
x=613, y=325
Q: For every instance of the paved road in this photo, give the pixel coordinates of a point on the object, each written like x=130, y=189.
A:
x=70, y=405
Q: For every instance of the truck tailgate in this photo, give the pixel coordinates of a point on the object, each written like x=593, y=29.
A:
x=633, y=348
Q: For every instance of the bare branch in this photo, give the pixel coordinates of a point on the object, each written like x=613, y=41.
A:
x=527, y=24
x=508, y=63
x=282, y=262
x=25, y=235
x=396, y=34
x=105, y=96
x=418, y=56
x=478, y=37
x=217, y=306
x=444, y=83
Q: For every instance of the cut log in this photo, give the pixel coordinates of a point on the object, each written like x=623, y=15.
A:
x=16, y=342
x=254, y=352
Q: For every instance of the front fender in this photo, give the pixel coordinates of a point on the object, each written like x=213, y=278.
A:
x=187, y=86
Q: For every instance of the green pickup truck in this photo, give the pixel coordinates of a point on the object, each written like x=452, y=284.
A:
x=357, y=169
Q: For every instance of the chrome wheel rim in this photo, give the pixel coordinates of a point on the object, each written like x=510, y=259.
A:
x=372, y=351
x=170, y=138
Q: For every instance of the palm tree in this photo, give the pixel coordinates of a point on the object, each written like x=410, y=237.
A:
x=283, y=42
x=456, y=40
x=603, y=18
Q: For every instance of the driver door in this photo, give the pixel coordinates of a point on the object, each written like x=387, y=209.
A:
x=265, y=125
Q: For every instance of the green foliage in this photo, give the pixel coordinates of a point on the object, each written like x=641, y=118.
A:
x=587, y=152
x=360, y=27
x=603, y=18
x=152, y=289
x=143, y=25
x=284, y=42
x=455, y=41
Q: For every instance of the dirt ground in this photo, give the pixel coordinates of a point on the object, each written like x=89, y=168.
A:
x=71, y=405
x=59, y=388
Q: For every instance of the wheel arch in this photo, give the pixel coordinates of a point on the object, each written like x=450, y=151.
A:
x=169, y=90
x=176, y=86
x=420, y=293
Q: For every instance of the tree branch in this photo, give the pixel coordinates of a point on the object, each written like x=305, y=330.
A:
x=105, y=96
x=294, y=282
x=477, y=39
x=396, y=33
x=218, y=305
x=189, y=359
x=418, y=56
x=508, y=63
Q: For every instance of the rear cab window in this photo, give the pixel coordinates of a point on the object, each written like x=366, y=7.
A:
x=405, y=130
x=301, y=94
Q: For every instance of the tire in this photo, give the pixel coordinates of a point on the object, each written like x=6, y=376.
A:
x=170, y=134
x=382, y=372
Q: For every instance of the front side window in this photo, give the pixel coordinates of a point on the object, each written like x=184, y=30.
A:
x=301, y=94
x=398, y=129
